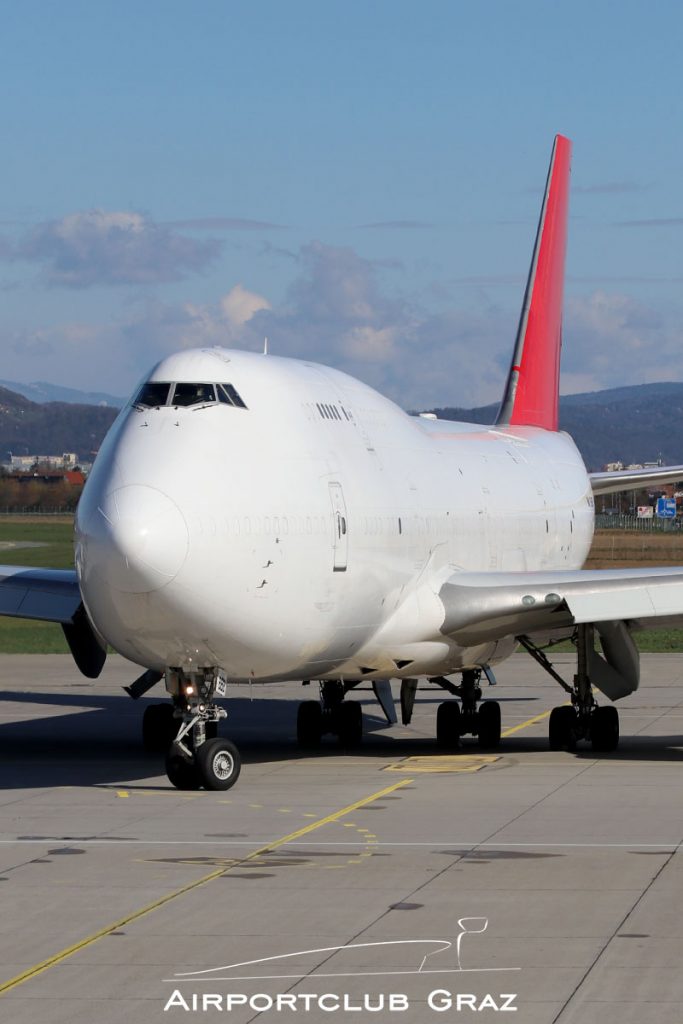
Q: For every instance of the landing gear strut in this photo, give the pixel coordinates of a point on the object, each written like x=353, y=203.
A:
x=584, y=719
x=331, y=714
x=198, y=756
x=454, y=720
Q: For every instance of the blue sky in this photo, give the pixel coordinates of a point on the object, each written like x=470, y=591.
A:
x=360, y=181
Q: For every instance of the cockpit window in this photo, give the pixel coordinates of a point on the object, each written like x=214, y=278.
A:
x=152, y=393
x=193, y=394
x=227, y=394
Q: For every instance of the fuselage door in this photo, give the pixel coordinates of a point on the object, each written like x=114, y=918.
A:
x=340, y=526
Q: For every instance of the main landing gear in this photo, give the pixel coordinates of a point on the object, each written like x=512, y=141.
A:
x=583, y=719
x=454, y=720
x=196, y=756
x=330, y=714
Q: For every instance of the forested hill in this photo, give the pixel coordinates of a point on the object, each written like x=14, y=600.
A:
x=630, y=424
x=51, y=428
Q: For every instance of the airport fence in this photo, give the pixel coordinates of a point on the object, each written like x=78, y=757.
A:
x=57, y=510
x=623, y=522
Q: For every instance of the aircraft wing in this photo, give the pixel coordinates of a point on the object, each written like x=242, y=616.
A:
x=634, y=479
x=484, y=606
x=53, y=595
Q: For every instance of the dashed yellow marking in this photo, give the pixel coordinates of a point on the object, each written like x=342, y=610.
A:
x=135, y=915
x=524, y=725
x=178, y=794
x=443, y=763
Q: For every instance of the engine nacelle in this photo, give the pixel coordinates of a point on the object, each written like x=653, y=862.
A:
x=617, y=673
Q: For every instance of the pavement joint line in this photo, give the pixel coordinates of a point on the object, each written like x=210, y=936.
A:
x=379, y=842
x=149, y=908
x=418, y=843
x=617, y=928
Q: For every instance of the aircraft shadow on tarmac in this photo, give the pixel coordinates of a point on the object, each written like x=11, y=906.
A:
x=93, y=739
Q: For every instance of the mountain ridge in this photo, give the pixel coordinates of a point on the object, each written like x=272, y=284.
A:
x=42, y=391
x=635, y=423
x=51, y=428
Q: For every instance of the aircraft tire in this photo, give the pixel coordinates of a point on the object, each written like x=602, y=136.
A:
x=159, y=728
x=448, y=725
x=561, y=728
x=218, y=764
x=488, y=722
x=604, y=729
x=181, y=773
x=350, y=723
x=309, y=724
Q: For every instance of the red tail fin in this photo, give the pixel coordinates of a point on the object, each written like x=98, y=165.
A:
x=532, y=391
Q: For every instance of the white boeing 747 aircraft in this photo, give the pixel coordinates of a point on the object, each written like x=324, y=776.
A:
x=251, y=519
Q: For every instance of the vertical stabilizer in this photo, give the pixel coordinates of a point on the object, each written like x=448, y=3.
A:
x=532, y=390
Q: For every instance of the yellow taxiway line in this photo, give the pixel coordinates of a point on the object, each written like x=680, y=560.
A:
x=525, y=725
x=135, y=915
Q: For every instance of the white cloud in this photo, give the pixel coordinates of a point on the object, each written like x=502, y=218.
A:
x=335, y=312
x=340, y=310
x=611, y=339
x=240, y=305
x=99, y=247
x=370, y=344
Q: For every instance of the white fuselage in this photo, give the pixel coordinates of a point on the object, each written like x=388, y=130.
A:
x=308, y=534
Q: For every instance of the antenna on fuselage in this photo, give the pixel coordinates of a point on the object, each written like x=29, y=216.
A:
x=265, y=346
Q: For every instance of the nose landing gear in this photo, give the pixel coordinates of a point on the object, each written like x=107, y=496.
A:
x=197, y=755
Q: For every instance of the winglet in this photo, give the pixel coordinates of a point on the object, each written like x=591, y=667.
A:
x=532, y=390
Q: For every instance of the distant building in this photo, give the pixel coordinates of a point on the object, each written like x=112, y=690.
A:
x=24, y=463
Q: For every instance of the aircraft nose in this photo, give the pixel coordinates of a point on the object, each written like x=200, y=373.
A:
x=137, y=539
